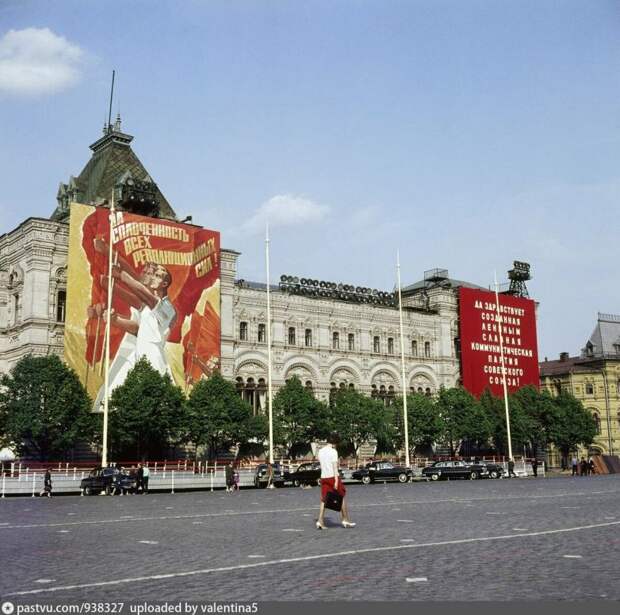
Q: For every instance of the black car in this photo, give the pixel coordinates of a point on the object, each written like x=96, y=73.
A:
x=461, y=469
x=308, y=473
x=109, y=479
x=261, y=475
x=382, y=471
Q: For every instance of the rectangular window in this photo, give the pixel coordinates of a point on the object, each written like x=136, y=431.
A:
x=243, y=331
x=351, y=341
x=61, y=304
x=376, y=344
x=427, y=349
x=390, y=345
x=308, y=338
x=335, y=340
x=414, y=348
x=589, y=389
x=262, y=333
x=291, y=336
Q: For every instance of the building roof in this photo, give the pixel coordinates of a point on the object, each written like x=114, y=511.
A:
x=447, y=282
x=112, y=159
x=605, y=339
x=568, y=365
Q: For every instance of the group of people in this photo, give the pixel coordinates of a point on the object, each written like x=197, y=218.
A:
x=583, y=467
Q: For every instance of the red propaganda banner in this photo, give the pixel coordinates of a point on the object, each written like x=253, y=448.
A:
x=481, y=363
x=165, y=297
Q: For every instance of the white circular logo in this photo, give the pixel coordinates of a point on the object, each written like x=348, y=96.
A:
x=8, y=608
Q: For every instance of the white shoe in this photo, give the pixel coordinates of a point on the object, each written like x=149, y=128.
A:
x=320, y=526
x=348, y=524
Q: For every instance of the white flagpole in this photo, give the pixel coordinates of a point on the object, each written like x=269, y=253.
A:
x=402, y=360
x=269, y=396
x=501, y=350
x=106, y=397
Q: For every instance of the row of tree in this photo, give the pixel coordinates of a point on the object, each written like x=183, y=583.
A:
x=45, y=412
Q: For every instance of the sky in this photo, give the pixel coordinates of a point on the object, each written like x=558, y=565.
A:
x=467, y=134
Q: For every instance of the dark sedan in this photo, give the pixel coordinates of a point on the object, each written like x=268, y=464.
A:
x=261, y=475
x=446, y=470
x=308, y=473
x=382, y=471
x=110, y=479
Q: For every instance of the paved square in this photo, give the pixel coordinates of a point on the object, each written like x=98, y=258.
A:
x=554, y=539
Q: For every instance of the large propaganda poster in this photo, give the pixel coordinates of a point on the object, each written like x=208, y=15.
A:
x=481, y=364
x=165, y=298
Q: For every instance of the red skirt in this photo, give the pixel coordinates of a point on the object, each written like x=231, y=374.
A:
x=327, y=484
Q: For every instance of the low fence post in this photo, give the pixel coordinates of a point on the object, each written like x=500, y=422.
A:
x=34, y=478
x=172, y=482
x=3, y=483
x=212, y=473
x=74, y=472
x=185, y=466
x=12, y=468
x=155, y=468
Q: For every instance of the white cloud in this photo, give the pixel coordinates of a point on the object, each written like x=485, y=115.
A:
x=285, y=210
x=35, y=61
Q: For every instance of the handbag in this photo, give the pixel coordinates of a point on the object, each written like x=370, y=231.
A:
x=333, y=500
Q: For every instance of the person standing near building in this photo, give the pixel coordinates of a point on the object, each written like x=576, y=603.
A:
x=330, y=481
x=511, y=468
x=591, y=466
x=584, y=467
x=535, y=467
x=140, y=479
x=573, y=465
x=145, y=479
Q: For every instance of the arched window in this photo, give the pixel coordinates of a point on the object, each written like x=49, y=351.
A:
x=390, y=345
x=376, y=344
x=427, y=392
x=61, y=304
x=261, y=333
x=351, y=341
x=374, y=392
x=597, y=420
x=308, y=338
x=427, y=349
x=291, y=336
x=335, y=340
x=414, y=348
x=243, y=331
x=420, y=390
x=351, y=385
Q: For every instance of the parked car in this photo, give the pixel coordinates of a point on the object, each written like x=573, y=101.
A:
x=461, y=469
x=382, y=471
x=261, y=477
x=308, y=473
x=109, y=479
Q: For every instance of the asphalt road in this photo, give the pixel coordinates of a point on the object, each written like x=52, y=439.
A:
x=551, y=539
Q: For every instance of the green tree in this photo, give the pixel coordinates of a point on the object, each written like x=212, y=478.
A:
x=423, y=422
x=541, y=412
x=461, y=417
x=356, y=418
x=218, y=418
x=44, y=409
x=147, y=414
x=573, y=425
x=299, y=418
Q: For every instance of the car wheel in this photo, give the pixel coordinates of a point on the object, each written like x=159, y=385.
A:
x=296, y=483
x=434, y=476
x=474, y=475
x=402, y=477
x=318, y=482
x=493, y=474
x=366, y=480
x=87, y=491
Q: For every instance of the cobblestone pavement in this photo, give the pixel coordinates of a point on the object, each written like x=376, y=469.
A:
x=460, y=540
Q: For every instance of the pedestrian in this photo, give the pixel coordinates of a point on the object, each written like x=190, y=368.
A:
x=146, y=473
x=511, y=468
x=133, y=475
x=230, y=477
x=330, y=481
x=584, y=467
x=47, y=484
x=535, y=467
x=574, y=462
x=591, y=466
x=236, y=481
x=270, y=484
x=140, y=479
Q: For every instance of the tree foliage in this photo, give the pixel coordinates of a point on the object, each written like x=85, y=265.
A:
x=44, y=409
x=573, y=425
x=218, y=418
x=461, y=417
x=147, y=414
x=423, y=422
x=299, y=418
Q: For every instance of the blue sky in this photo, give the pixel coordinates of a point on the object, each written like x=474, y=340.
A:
x=466, y=133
